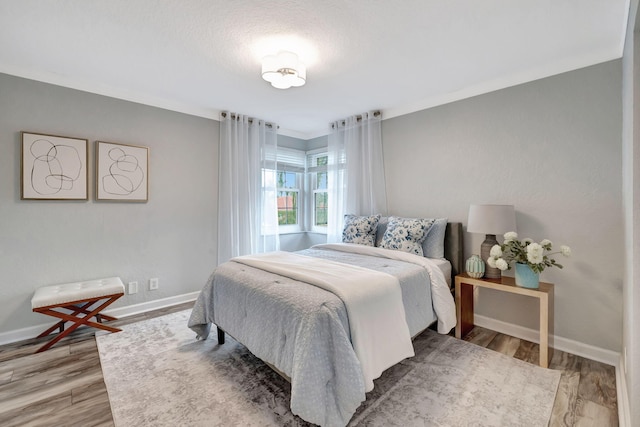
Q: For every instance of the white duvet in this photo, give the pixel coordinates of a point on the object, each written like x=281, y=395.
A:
x=304, y=332
x=443, y=303
x=377, y=322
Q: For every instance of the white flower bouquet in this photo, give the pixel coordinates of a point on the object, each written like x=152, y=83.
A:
x=536, y=255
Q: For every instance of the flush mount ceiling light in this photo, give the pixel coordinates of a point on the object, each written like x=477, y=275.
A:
x=284, y=70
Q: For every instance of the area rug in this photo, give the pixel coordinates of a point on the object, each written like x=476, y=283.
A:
x=157, y=374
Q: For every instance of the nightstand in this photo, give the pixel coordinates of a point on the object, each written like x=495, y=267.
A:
x=464, y=306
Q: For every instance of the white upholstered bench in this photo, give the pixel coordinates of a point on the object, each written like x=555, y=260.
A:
x=77, y=298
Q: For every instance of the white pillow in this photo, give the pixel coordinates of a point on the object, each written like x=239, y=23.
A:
x=406, y=234
x=360, y=229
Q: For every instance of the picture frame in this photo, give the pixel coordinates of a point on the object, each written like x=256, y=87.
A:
x=53, y=167
x=122, y=172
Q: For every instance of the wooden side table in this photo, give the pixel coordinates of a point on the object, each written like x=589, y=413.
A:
x=464, y=306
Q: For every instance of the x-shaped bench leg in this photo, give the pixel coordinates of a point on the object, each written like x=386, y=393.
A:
x=60, y=325
x=76, y=318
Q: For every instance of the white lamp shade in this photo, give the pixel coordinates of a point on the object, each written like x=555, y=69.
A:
x=284, y=70
x=287, y=59
x=491, y=219
x=301, y=77
x=269, y=68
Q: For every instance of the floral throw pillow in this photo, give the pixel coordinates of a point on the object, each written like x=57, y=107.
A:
x=406, y=234
x=360, y=229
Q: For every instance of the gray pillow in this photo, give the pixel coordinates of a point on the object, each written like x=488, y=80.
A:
x=433, y=245
x=406, y=234
x=360, y=229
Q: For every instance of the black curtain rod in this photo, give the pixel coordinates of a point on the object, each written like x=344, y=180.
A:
x=358, y=118
x=235, y=117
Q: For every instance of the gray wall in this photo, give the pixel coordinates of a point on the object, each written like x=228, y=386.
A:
x=172, y=237
x=631, y=169
x=553, y=149
x=319, y=142
x=291, y=142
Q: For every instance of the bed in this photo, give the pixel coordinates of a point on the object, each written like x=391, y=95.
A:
x=303, y=331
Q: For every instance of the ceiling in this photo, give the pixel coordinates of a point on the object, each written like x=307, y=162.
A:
x=204, y=56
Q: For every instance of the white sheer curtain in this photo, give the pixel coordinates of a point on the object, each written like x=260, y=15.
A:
x=247, y=206
x=356, y=183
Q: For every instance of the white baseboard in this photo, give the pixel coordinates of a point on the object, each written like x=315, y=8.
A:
x=624, y=411
x=130, y=310
x=564, y=344
x=143, y=307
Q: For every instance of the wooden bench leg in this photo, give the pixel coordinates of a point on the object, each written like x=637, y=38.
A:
x=74, y=316
x=76, y=309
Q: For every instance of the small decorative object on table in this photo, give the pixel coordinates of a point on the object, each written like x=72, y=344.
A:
x=491, y=220
x=529, y=257
x=475, y=266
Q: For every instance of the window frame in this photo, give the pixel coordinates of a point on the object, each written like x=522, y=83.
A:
x=299, y=189
x=291, y=160
x=312, y=176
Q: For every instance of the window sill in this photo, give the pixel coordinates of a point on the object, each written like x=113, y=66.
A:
x=281, y=233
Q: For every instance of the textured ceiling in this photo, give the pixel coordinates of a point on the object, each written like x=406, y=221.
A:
x=203, y=56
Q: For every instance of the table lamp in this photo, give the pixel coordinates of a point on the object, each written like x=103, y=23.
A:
x=491, y=220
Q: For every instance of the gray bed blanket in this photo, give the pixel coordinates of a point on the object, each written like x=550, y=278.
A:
x=303, y=330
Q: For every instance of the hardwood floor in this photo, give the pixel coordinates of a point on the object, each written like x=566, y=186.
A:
x=63, y=386
x=587, y=391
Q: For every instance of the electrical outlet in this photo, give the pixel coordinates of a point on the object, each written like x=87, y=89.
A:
x=133, y=288
x=153, y=284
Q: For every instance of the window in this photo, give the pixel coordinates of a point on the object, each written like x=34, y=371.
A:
x=317, y=173
x=288, y=170
x=288, y=198
x=300, y=182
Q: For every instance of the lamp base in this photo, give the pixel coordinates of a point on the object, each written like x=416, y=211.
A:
x=485, y=251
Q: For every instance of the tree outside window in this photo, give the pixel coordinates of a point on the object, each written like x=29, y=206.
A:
x=300, y=180
x=288, y=192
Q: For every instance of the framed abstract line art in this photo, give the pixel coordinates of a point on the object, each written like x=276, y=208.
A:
x=122, y=172
x=53, y=167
